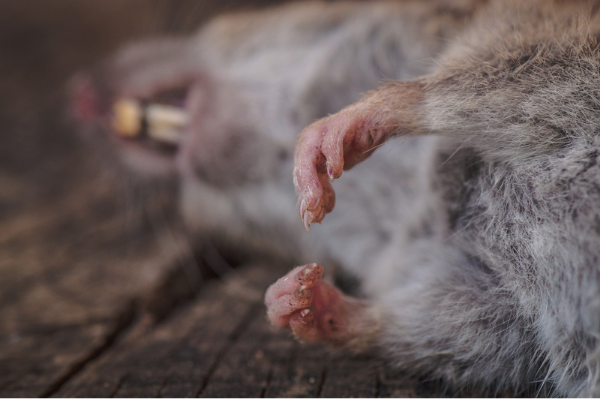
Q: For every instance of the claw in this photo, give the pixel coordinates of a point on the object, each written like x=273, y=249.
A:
x=307, y=272
x=302, y=275
x=300, y=292
x=330, y=172
x=302, y=208
x=303, y=293
x=306, y=312
x=307, y=218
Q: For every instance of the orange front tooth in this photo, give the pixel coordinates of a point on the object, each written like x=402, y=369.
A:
x=127, y=118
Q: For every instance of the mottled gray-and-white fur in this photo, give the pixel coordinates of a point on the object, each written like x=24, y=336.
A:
x=479, y=244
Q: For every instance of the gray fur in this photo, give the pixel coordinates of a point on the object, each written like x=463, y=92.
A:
x=479, y=246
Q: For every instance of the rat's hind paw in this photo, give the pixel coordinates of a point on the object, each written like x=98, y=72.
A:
x=313, y=309
x=291, y=293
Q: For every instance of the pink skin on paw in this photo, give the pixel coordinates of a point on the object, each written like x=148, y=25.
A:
x=342, y=140
x=324, y=150
x=314, y=310
x=291, y=293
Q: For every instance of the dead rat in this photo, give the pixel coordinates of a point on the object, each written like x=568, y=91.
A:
x=475, y=238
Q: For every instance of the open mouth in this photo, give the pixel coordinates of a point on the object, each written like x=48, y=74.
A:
x=158, y=123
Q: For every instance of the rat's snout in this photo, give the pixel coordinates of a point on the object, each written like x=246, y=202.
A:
x=90, y=96
x=138, y=104
x=84, y=99
x=162, y=118
x=154, y=119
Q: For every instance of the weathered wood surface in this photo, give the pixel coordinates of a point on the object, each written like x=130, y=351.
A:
x=78, y=317
x=69, y=280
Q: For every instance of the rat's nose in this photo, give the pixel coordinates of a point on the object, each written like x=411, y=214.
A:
x=84, y=99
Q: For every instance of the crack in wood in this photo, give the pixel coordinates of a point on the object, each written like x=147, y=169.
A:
x=378, y=384
x=118, y=385
x=267, y=383
x=124, y=321
x=233, y=337
x=162, y=385
x=321, y=382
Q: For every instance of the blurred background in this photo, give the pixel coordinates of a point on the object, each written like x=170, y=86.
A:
x=43, y=43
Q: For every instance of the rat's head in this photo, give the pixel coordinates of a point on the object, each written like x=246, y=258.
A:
x=139, y=104
x=164, y=111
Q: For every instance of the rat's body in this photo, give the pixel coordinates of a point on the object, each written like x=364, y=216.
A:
x=477, y=249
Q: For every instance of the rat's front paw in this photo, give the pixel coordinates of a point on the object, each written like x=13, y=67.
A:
x=323, y=150
x=342, y=140
x=313, y=309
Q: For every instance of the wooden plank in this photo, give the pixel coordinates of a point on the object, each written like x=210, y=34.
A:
x=222, y=346
x=77, y=327
x=303, y=376
x=183, y=349
x=245, y=369
x=350, y=377
x=97, y=314
x=68, y=284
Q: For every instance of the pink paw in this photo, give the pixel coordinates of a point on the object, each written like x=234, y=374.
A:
x=314, y=310
x=325, y=149
x=342, y=140
x=292, y=294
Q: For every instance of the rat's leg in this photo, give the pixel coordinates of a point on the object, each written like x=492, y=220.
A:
x=344, y=139
x=316, y=311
